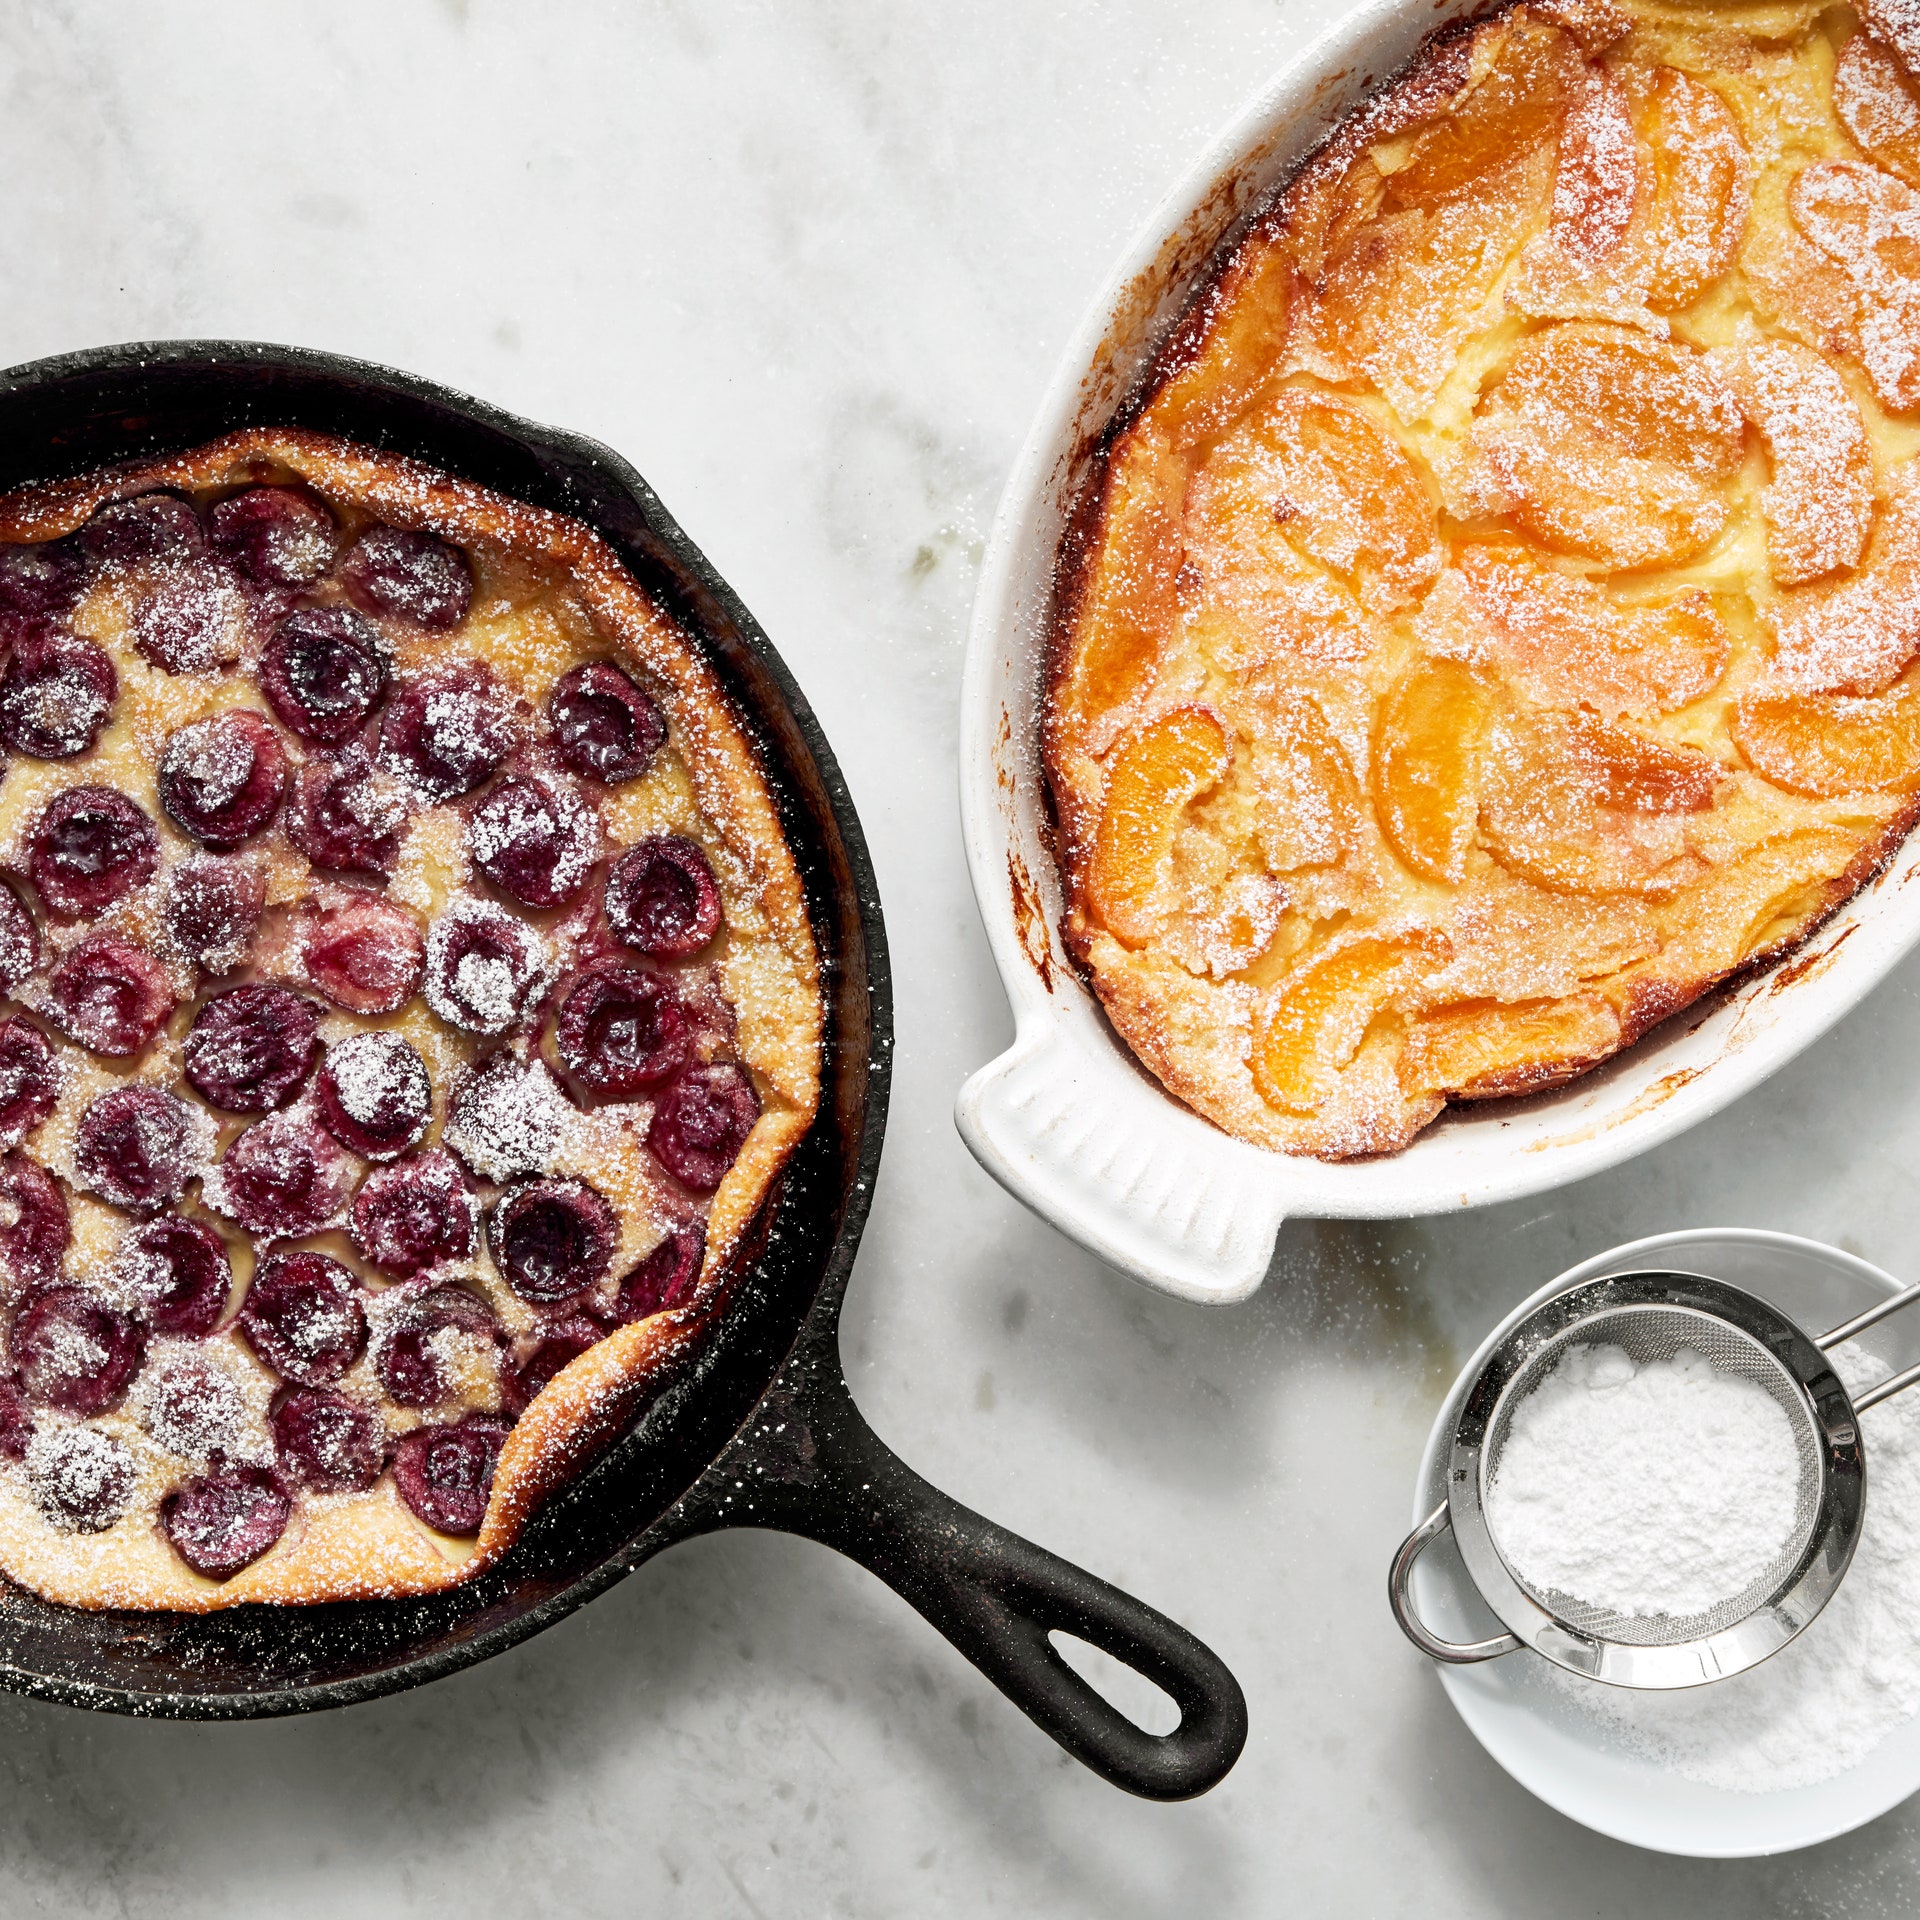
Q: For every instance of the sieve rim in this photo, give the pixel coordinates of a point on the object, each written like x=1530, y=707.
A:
x=1829, y=1547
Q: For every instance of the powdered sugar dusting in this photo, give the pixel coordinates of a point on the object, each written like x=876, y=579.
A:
x=1868, y=223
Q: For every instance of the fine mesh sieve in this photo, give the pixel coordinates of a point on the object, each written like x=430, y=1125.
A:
x=1652, y=1316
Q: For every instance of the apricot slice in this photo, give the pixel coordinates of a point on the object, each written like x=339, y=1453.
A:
x=1429, y=741
x=1696, y=217
x=1819, y=503
x=1478, y=1049
x=1757, y=902
x=1827, y=744
x=1604, y=442
x=1156, y=772
x=1316, y=1017
x=1868, y=224
x=1879, y=104
x=1568, y=643
x=1309, y=800
x=1856, y=635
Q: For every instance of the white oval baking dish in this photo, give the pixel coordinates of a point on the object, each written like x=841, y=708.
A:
x=1065, y=1119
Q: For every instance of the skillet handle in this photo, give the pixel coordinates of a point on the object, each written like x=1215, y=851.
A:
x=811, y=1465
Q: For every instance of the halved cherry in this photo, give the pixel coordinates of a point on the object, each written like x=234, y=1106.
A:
x=250, y=1048
x=621, y=1031
x=16, y=1421
x=324, y=669
x=34, y=1224
x=485, y=968
x=417, y=1213
x=416, y=1353
x=552, y=1239
x=135, y=1147
x=19, y=939
x=193, y=1407
x=110, y=996
x=375, y=1096
x=446, y=1473
x=536, y=840
x=447, y=729
x=29, y=1080
x=56, y=695
x=222, y=780
x=347, y=815
x=329, y=1443
x=285, y=1177
x=411, y=576
x=139, y=531
x=701, y=1124
x=89, y=847
x=560, y=1345
x=177, y=1273
x=277, y=536
x=40, y=580
x=304, y=1315
x=213, y=910
x=223, y=1521
x=665, y=1277
x=80, y=1478
x=507, y=1117
x=190, y=619
x=74, y=1352
x=662, y=898
x=366, y=954
x=603, y=724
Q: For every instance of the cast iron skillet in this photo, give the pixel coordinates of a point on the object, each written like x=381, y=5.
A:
x=764, y=1433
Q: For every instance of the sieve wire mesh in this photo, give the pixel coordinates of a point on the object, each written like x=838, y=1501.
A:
x=1648, y=1333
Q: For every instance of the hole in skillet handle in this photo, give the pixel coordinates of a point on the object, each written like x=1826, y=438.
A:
x=810, y=1465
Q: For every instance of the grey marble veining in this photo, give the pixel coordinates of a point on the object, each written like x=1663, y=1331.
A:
x=808, y=267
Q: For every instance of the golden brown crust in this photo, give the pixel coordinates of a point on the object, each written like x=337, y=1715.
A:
x=370, y=1545
x=1468, y=644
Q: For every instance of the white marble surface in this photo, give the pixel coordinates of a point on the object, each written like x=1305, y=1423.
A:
x=808, y=266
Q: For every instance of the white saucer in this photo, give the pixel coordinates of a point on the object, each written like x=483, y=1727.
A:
x=1552, y=1749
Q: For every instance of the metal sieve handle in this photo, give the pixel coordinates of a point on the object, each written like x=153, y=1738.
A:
x=1457, y=1653
x=1895, y=1383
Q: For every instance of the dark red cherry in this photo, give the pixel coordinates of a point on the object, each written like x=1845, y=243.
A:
x=347, y=815
x=324, y=669
x=445, y=1473
x=285, y=1177
x=29, y=1080
x=250, y=1048
x=137, y=532
x=603, y=724
x=110, y=996
x=665, y=1277
x=412, y=576
x=375, y=1096
x=561, y=1344
x=213, y=910
x=74, y=1352
x=137, y=1147
x=222, y=780
x=189, y=619
x=276, y=536
x=446, y=729
x=177, y=1274
x=80, y=1478
x=305, y=1316
x=507, y=1117
x=485, y=968
x=89, y=847
x=552, y=1239
x=224, y=1520
x=701, y=1124
x=662, y=898
x=34, y=1225
x=193, y=1408
x=621, y=1031
x=415, y=1214
x=329, y=1443
x=535, y=840
x=19, y=939
x=410, y=1353
x=367, y=955
x=55, y=696
x=16, y=1421
x=40, y=581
